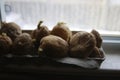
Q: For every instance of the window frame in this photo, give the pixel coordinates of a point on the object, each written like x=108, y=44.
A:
x=2, y=12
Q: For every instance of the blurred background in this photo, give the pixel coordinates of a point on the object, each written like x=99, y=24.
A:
x=102, y=15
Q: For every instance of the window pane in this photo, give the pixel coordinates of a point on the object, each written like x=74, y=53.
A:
x=102, y=15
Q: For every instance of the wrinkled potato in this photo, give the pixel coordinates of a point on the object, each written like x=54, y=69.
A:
x=82, y=44
x=11, y=29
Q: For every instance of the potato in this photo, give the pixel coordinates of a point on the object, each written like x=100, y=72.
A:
x=62, y=30
x=5, y=44
x=82, y=44
x=23, y=45
x=97, y=37
x=54, y=46
x=39, y=33
x=11, y=29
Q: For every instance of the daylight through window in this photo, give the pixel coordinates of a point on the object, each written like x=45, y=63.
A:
x=103, y=15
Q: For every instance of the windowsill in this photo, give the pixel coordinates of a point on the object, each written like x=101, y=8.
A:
x=109, y=68
x=111, y=62
x=111, y=46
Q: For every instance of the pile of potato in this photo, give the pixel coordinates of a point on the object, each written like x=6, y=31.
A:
x=58, y=43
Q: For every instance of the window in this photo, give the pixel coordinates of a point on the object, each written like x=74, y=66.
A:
x=102, y=15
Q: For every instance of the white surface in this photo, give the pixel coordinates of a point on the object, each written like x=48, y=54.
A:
x=112, y=61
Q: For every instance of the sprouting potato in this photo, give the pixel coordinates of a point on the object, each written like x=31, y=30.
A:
x=39, y=33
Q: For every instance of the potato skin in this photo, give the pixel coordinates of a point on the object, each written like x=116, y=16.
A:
x=54, y=46
x=96, y=53
x=62, y=30
x=23, y=45
x=5, y=44
x=11, y=29
x=39, y=33
x=97, y=37
x=82, y=44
